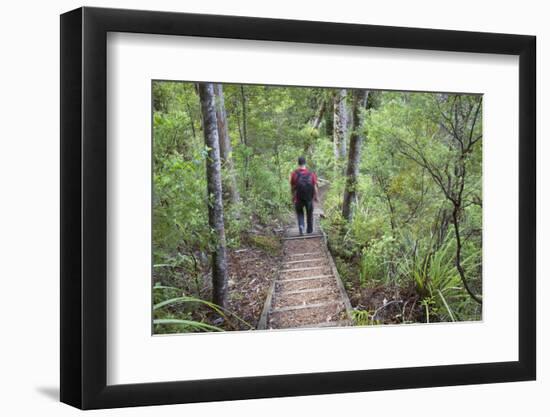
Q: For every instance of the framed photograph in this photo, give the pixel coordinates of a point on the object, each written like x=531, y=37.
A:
x=258, y=208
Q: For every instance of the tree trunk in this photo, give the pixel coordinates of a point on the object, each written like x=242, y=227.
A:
x=329, y=123
x=230, y=183
x=191, y=120
x=340, y=124
x=458, y=260
x=319, y=116
x=215, y=201
x=350, y=193
x=245, y=142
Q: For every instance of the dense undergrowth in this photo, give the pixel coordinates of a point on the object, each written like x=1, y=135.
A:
x=400, y=246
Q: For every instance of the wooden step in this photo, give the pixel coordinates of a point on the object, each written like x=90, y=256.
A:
x=339, y=323
x=307, y=317
x=295, y=231
x=306, y=236
x=293, y=255
x=306, y=272
x=301, y=298
x=304, y=284
x=318, y=289
x=320, y=263
x=310, y=268
x=305, y=306
x=305, y=278
x=305, y=260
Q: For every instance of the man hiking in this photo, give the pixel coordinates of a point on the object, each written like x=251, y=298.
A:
x=303, y=184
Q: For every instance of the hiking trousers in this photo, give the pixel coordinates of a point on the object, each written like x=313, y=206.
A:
x=300, y=205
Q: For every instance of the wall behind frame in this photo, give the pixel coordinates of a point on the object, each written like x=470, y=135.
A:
x=29, y=225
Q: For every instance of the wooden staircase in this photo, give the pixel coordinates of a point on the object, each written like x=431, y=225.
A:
x=308, y=292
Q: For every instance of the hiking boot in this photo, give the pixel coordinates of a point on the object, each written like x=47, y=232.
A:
x=301, y=230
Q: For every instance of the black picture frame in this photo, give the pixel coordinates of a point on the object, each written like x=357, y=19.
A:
x=84, y=207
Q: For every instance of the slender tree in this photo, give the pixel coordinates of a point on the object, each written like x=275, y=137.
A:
x=230, y=183
x=244, y=137
x=319, y=114
x=214, y=187
x=356, y=139
x=340, y=124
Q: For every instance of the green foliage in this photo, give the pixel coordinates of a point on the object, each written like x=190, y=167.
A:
x=401, y=232
x=168, y=318
x=364, y=318
x=269, y=244
x=376, y=260
x=437, y=281
x=361, y=317
x=400, y=236
x=268, y=132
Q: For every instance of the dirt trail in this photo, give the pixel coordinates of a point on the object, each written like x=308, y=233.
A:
x=307, y=291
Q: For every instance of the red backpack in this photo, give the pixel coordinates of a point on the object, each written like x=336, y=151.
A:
x=304, y=185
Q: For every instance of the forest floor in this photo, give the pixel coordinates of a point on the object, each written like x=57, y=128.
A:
x=252, y=268
x=387, y=304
